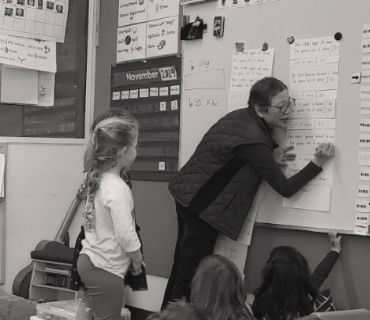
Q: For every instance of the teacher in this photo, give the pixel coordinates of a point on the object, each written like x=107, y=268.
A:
x=214, y=190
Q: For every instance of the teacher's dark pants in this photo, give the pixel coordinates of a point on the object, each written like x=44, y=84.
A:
x=195, y=240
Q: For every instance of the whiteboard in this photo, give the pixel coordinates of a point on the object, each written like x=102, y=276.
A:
x=209, y=58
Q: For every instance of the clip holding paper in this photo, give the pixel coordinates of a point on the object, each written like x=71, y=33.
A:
x=193, y=30
x=265, y=46
x=290, y=39
x=239, y=46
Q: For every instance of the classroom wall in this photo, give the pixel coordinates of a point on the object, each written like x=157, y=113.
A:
x=349, y=281
x=41, y=182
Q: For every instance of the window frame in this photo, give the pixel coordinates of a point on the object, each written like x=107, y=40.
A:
x=93, y=33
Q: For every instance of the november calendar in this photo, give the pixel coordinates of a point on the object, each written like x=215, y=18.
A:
x=36, y=19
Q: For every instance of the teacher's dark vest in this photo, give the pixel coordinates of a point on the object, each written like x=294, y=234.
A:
x=212, y=173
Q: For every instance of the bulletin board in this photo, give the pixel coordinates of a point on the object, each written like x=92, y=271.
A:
x=205, y=100
x=66, y=118
x=150, y=91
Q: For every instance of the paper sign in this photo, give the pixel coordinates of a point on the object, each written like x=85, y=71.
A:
x=364, y=158
x=28, y=54
x=365, y=92
x=363, y=191
x=125, y=95
x=362, y=205
x=34, y=19
x=313, y=108
x=311, y=124
x=175, y=90
x=364, y=174
x=134, y=94
x=323, y=77
x=313, y=61
x=310, y=197
x=232, y=250
x=162, y=37
x=250, y=66
x=366, y=46
x=365, y=76
x=163, y=91
x=162, y=106
x=306, y=141
x=153, y=92
x=365, y=62
x=364, y=141
x=158, y=9
x=131, y=42
x=46, y=89
x=144, y=93
x=365, y=107
x=366, y=31
x=116, y=95
x=365, y=124
x=361, y=228
x=132, y=11
x=174, y=105
x=362, y=218
x=314, y=47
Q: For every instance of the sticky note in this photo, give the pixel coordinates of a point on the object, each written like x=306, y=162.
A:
x=116, y=95
x=363, y=191
x=134, y=94
x=153, y=92
x=125, y=95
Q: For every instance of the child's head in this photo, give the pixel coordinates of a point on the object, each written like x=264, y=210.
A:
x=112, y=144
x=218, y=289
x=179, y=310
x=286, y=285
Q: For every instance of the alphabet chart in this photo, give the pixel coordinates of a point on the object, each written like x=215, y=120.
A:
x=35, y=19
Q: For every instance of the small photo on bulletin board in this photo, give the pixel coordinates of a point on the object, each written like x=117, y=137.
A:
x=150, y=91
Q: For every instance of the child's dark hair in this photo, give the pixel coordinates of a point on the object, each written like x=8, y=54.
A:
x=218, y=289
x=287, y=291
x=263, y=91
x=179, y=310
x=107, y=139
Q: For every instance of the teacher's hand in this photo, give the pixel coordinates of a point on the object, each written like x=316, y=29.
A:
x=324, y=152
x=281, y=155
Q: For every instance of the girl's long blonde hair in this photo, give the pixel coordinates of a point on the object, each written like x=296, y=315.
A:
x=108, y=138
x=217, y=288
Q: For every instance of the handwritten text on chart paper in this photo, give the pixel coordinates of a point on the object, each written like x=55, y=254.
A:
x=202, y=102
x=314, y=47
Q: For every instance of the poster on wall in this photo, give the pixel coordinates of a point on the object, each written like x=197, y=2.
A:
x=162, y=37
x=131, y=42
x=158, y=9
x=44, y=20
x=28, y=54
x=132, y=11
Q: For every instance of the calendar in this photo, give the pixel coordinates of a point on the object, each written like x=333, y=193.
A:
x=35, y=19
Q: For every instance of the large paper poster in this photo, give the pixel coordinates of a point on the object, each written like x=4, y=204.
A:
x=132, y=11
x=162, y=37
x=35, y=19
x=131, y=42
x=158, y=9
x=27, y=53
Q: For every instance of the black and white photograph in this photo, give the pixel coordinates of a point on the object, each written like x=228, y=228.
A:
x=59, y=8
x=19, y=12
x=40, y=4
x=8, y=12
x=31, y=3
x=20, y=2
x=50, y=5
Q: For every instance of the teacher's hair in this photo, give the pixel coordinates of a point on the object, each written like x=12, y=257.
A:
x=286, y=291
x=263, y=91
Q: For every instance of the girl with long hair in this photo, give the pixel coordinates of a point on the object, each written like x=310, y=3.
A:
x=288, y=290
x=217, y=289
x=111, y=245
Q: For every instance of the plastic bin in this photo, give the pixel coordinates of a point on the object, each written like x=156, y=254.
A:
x=64, y=310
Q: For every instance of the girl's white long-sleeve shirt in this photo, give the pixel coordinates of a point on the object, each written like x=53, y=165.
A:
x=114, y=233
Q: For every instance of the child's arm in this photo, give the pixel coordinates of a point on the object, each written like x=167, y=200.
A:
x=323, y=270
